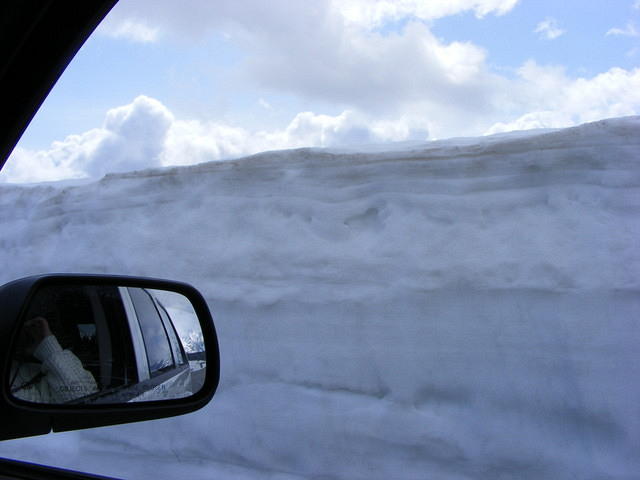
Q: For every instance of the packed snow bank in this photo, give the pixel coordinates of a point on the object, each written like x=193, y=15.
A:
x=505, y=212
x=458, y=309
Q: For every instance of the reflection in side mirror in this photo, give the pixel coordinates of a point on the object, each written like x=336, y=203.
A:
x=107, y=344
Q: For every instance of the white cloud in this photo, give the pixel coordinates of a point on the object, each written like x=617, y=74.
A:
x=264, y=104
x=134, y=135
x=373, y=13
x=129, y=30
x=192, y=141
x=64, y=159
x=636, y=5
x=629, y=31
x=374, y=73
x=131, y=138
x=549, y=29
x=329, y=54
x=551, y=99
x=194, y=18
x=347, y=129
x=528, y=121
x=24, y=166
x=146, y=134
x=324, y=130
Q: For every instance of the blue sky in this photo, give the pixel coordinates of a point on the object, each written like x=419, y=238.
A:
x=224, y=79
x=584, y=48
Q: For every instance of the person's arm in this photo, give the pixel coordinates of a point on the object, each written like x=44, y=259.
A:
x=28, y=383
x=65, y=375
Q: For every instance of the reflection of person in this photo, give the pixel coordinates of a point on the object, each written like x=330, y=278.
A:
x=58, y=379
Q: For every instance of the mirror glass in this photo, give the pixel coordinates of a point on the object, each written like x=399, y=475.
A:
x=107, y=344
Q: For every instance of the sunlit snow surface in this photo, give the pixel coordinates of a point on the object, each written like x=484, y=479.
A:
x=459, y=309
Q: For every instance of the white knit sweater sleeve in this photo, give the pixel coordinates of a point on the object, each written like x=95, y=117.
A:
x=65, y=375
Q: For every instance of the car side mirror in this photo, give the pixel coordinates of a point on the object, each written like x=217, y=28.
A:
x=82, y=351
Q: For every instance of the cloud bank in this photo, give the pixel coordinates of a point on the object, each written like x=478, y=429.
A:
x=341, y=53
x=145, y=134
x=380, y=85
x=196, y=18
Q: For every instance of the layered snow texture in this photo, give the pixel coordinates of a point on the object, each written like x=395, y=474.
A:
x=459, y=309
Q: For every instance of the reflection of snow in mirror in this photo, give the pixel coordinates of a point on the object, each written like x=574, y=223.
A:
x=184, y=319
x=193, y=342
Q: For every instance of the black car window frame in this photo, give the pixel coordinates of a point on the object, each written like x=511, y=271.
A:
x=149, y=319
x=179, y=354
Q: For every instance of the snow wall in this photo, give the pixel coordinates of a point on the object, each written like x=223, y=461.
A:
x=460, y=309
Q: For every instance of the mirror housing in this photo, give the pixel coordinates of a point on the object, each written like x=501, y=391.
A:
x=20, y=418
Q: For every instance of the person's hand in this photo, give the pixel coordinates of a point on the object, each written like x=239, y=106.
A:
x=38, y=329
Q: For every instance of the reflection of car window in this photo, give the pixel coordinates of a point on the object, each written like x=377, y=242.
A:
x=176, y=345
x=153, y=332
x=118, y=367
